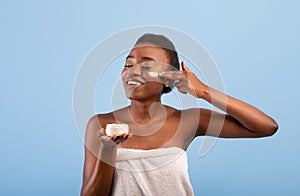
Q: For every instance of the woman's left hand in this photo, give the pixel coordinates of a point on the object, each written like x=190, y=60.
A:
x=187, y=81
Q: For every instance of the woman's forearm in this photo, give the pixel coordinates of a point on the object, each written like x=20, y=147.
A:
x=249, y=116
x=100, y=179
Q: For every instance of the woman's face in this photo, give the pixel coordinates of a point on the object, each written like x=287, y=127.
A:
x=134, y=80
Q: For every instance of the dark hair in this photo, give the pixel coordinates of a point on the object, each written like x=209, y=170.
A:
x=164, y=43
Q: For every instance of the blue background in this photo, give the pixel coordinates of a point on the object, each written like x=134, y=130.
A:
x=255, y=44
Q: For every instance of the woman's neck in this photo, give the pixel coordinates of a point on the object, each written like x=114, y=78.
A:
x=143, y=112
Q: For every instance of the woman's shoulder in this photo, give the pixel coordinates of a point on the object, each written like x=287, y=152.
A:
x=106, y=118
x=181, y=111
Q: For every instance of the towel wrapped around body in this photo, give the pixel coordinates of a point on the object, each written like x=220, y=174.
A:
x=162, y=171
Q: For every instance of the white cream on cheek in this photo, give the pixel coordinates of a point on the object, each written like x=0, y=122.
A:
x=153, y=74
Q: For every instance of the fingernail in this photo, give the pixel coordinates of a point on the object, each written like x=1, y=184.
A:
x=161, y=73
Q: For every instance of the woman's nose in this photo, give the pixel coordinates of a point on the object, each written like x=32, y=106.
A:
x=135, y=70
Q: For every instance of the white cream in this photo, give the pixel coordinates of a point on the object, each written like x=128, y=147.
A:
x=153, y=74
x=117, y=129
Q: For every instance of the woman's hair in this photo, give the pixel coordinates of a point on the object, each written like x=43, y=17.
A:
x=164, y=43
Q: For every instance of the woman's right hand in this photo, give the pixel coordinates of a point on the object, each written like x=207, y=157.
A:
x=108, y=146
x=187, y=82
x=113, y=141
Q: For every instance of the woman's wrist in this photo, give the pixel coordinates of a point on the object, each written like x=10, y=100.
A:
x=108, y=150
x=204, y=93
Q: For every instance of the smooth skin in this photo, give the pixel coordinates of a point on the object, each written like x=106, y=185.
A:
x=154, y=125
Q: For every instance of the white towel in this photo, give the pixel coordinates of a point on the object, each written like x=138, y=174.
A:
x=156, y=172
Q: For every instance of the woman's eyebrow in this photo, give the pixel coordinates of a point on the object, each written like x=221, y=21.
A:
x=144, y=58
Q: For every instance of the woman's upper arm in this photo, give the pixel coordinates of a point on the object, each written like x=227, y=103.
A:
x=216, y=124
x=91, y=145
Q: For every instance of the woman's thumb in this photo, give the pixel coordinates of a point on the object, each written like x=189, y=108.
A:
x=184, y=67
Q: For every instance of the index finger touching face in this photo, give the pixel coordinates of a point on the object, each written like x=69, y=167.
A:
x=172, y=75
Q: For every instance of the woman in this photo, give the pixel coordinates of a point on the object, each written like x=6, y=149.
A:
x=157, y=131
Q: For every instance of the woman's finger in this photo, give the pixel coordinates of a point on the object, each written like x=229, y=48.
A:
x=184, y=67
x=101, y=133
x=182, y=90
x=172, y=75
x=124, y=138
x=120, y=138
x=180, y=84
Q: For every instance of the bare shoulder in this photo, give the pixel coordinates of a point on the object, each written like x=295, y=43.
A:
x=190, y=113
x=171, y=110
x=93, y=129
x=186, y=115
x=98, y=121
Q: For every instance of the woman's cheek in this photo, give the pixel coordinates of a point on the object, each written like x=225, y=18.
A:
x=123, y=73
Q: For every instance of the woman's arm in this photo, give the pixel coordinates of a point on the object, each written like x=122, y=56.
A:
x=241, y=120
x=100, y=156
x=97, y=175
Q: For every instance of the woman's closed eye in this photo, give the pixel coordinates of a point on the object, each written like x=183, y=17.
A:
x=143, y=66
x=146, y=66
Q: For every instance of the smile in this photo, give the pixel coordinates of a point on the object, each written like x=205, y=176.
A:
x=131, y=82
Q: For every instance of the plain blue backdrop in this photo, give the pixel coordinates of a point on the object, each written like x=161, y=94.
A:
x=255, y=44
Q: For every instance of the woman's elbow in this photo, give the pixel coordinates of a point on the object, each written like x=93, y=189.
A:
x=271, y=129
